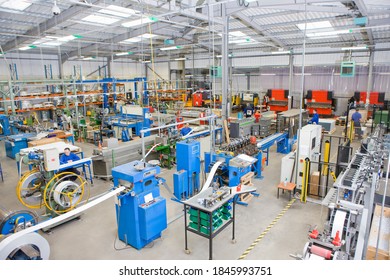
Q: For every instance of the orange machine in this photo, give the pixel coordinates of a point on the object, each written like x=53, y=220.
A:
x=376, y=98
x=321, y=100
x=278, y=100
x=197, y=99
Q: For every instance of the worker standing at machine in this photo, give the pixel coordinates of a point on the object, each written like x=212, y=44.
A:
x=315, y=119
x=357, y=118
x=248, y=111
x=67, y=157
x=186, y=130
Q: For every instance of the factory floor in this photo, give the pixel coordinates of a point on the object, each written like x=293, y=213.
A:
x=94, y=235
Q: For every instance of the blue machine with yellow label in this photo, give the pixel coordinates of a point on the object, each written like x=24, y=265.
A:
x=186, y=179
x=141, y=211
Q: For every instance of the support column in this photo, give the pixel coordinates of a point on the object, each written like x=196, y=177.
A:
x=290, y=80
x=109, y=60
x=248, y=81
x=370, y=79
x=225, y=66
x=60, y=66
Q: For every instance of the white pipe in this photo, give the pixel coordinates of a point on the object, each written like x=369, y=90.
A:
x=58, y=219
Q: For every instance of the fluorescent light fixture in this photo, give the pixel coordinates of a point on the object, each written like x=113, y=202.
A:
x=267, y=74
x=237, y=34
x=220, y=56
x=132, y=40
x=354, y=48
x=139, y=38
x=123, y=53
x=281, y=52
x=51, y=43
x=16, y=5
x=329, y=33
x=69, y=38
x=248, y=43
x=181, y=58
x=328, y=4
x=239, y=74
x=117, y=11
x=147, y=36
x=322, y=37
x=146, y=61
x=142, y=20
x=27, y=48
x=315, y=25
x=89, y=58
x=100, y=19
x=384, y=73
x=189, y=75
x=171, y=48
x=305, y=74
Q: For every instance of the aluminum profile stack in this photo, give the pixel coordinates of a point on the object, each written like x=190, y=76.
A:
x=104, y=160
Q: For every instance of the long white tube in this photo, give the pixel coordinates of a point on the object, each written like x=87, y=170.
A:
x=48, y=223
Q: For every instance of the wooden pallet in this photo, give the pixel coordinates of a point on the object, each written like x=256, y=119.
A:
x=247, y=180
x=330, y=132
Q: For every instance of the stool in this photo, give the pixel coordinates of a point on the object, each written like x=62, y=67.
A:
x=289, y=187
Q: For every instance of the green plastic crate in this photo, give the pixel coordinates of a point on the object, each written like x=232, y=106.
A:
x=203, y=215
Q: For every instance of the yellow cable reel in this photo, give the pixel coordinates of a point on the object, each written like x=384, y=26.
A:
x=28, y=187
x=61, y=194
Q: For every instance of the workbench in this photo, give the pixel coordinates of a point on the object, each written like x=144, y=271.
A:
x=193, y=205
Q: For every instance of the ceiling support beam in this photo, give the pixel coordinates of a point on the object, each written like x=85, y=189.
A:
x=250, y=23
x=363, y=10
x=44, y=26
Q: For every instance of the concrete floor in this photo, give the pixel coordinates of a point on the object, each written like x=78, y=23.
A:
x=94, y=236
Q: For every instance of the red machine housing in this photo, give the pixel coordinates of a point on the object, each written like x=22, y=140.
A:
x=278, y=100
x=320, y=100
x=376, y=98
x=197, y=99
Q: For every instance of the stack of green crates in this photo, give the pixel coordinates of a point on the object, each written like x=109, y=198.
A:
x=227, y=210
x=200, y=221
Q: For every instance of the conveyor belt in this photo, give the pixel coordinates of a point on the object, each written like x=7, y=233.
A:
x=270, y=140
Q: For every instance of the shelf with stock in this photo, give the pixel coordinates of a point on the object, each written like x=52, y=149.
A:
x=52, y=107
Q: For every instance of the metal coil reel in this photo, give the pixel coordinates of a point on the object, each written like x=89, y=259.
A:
x=14, y=221
x=31, y=246
x=29, y=189
x=62, y=193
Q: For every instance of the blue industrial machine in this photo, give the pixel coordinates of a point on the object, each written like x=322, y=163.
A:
x=14, y=143
x=5, y=129
x=141, y=211
x=233, y=168
x=186, y=179
x=132, y=119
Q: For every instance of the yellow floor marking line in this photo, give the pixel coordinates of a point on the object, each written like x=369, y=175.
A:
x=267, y=229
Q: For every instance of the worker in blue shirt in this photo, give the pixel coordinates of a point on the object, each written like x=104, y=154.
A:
x=315, y=119
x=185, y=130
x=248, y=110
x=356, y=118
x=67, y=157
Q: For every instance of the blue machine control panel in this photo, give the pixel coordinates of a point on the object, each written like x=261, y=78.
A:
x=141, y=213
x=186, y=180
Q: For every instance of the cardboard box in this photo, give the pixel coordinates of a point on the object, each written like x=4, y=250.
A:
x=57, y=133
x=314, y=183
x=44, y=141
